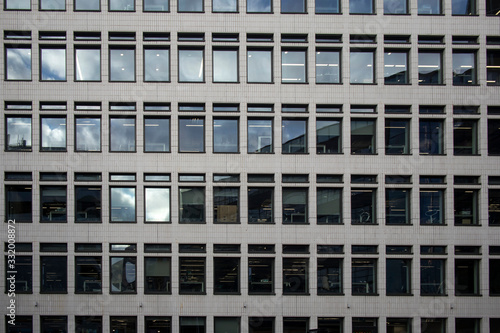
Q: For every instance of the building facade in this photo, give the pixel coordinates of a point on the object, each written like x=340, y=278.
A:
x=250, y=166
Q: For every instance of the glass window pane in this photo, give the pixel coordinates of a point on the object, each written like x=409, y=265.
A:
x=122, y=204
x=466, y=207
x=190, y=5
x=466, y=277
x=24, y=276
x=225, y=65
x=327, y=66
x=88, y=134
x=85, y=324
x=122, y=5
x=87, y=64
x=432, y=277
x=121, y=65
x=295, y=276
x=494, y=207
x=260, y=136
x=191, y=66
x=18, y=63
x=493, y=137
x=330, y=273
x=157, y=275
x=293, y=6
x=293, y=67
x=260, y=205
x=259, y=63
x=364, y=276
x=363, y=137
x=363, y=206
x=53, y=64
x=362, y=67
x=224, y=325
x=53, y=274
x=226, y=204
x=51, y=324
x=329, y=205
x=431, y=207
x=18, y=4
x=156, y=134
x=429, y=7
x=431, y=137
x=397, y=206
x=157, y=65
x=191, y=205
x=226, y=275
x=122, y=134
x=53, y=134
x=226, y=136
x=225, y=6
x=88, y=203
x=18, y=133
x=464, y=68
x=157, y=204
x=260, y=275
x=88, y=272
x=191, y=135
x=191, y=275
x=295, y=205
x=398, y=273
x=395, y=67
x=259, y=6
x=123, y=275
x=18, y=203
x=52, y=4
x=361, y=7
x=53, y=203
x=155, y=6
x=294, y=136
x=395, y=7
x=87, y=5
x=463, y=7
x=327, y=6
x=328, y=138
x=493, y=64
x=397, y=136
x=429, y=68
x=464, y=137
x=158, y=324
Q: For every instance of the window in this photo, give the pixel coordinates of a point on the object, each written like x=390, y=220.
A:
x=226, y=135
x=293, y=66
x=88, y=277
x=295, y=276
x=293, y=6
x=330, y=273
x=18, y=203
x=226, y=275
x=429, y=7
x=157, y=64
x=432, y=206
x=123, y=275
x=362, y=66
x=433, y=325
x=259, y=6
x=294, y=136
x=431, y=137
x=53, y=274
x=260, y=276
x=88, y=204
x=397, y=136
x=18, y=4
x=122, y=204
x=221, y=6
x=190, y=6
x=24, y=274
x=191, y=135
x=87, y=5
x=18, y=62
x=327, y=65
x=53, y=133
x=225, y=65
x=88, y=133
x=467, y=277
x=361, y=7
x=396, y=67
x=399, y=325
x=493, y=67
x=364, y=276
x=191, y=62
x=332, y=325
x=87, y=63
x=54, y=324
x=155, y=6
x=121, y=64
x=191, y=275
x=397, y=206
x=122, y=134
x=395, y=7
x=494, y=136
x=295, y=325
x=494, y=207
x=363, y=136
x=329, y=205
x=191, y=205
x=158, y=324
x=295, y=209
x=494, y=278
x=328, y=136
x=430, y=67
x=464, y=68
x=226, y=204
x=466, y=207
x=52, y=63
x=226, y=324
x=157, y=276
x=327, y=6
x=464, y=137
x=432, y=277
x=259, y=65
x=122, y=5
x=18, y=133
x=53, y=203
x=260, y=205
x=156, y=134
x=463, y=7
x=260, y=135
x=363, y=203
x=398, y=276
x=157, y=204
x=52, y=5
x=85, y=324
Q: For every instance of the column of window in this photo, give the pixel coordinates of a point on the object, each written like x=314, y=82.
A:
x=295, y=270
x=261, y=269
x=88, y=271
x=433, y=270
x=53, y=268
x=330, y=270
x=226, y=270
x=157, y=271
x=467, y=269
x=398, y=271
x=192, y=270
x=364, y=270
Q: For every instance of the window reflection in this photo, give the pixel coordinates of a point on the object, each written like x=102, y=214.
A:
x=190, y=5
x=429, y=7
x=328, y=139
x=123, y=275
x=259, y=64
x=464, y=68
x=122, y=134
x=18, y=61
x=363, y=136
x=327, y=66
x=464, y=137
x=398, y=273
x=431, y=207
x=157, y=276
x=156, y=6
x=87, y=64
x=362, y=67
x=395, y=7
x=122, y=65
x=293, y=67
x=363, y=204
x=226, y=136
x=395, y=67
x=293, y=6
x=260, y=205
x=327, y=6
x=53, y=64
x=361, y=7
x=122, y=204
x=429, y=68
x=259, y=6
x=295, y=208
x=191, y=205
x=87, y=5
x=156, y=65
x=88, y=134
x=329, y=276
x=18, y=133
x=397, y=206
x=295, y=276
x=53, y=134
x=432, y=277
x=431, y=137
x=463, y=7
x=88, y=204
x=225, y=66
x=260, y=136
x=329, y=205
x=157, y=204
x=52, y=4
x=191, y=66
x=191, y=135
x=156, y=134
x=18, y=4
x=225, y=6
x=294, y=136
x=122, y=5
x=397, y=136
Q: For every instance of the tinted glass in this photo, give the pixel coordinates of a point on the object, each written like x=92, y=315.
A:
x=226, y=135
x=157, y=134
x=18, y=62
x=259, y=6
x=191, y=66
x=121, y=5
x=122, y=204
x=87, y=64
x=121, y=65
x=155, y=6
x=156, y=65
x=260, y=136
x=293, y=67
x=18, y=133
x=259, y=64
x=327, y=66
x=122, y=134
x=88, y=134
x=53, y=134
x=53, y=64
x=362, y=67
x=87, y=5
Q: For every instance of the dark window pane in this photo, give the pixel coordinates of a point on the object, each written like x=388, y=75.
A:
x=295, y=276
x=157, y=134
x=494, y=136
x=329, y=276
x=329, y=205
x=398, y=273
x=432, y=277
x=364, y=276
x=88, y=272
x=18, y=203
x=226, y=204
x=157, y=275
x=191, y=205
x=123, y=275
x=397, y=206
x=466, y=277
x=53, y=274
x=397, y=136
x=431, y=137
x=363, y=136
x=431, y=207
x=88, y=204
x=227, y=275
x=191, y=275
x=53, y=203
x=295, y=209
x=24, y=275
x=260, y=275
x=363, y=203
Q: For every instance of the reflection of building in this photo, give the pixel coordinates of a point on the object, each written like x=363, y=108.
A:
x=252, y=166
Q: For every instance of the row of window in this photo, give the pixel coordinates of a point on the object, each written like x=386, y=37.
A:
x=163, y=324
x=260, y=135
x=391, y=7
x=260, y=206
x=259, y=62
